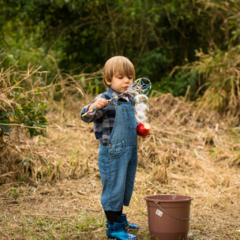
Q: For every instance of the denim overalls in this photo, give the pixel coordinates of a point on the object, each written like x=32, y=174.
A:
x=117, y=160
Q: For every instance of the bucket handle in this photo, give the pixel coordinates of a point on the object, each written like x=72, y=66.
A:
x=185, y=219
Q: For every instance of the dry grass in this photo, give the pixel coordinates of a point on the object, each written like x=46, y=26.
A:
x=19, y=158
x=189, y=153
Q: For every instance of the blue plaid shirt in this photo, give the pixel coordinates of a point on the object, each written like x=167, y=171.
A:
x=103, y=118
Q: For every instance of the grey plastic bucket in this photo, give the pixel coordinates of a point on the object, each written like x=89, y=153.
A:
x=168, y=216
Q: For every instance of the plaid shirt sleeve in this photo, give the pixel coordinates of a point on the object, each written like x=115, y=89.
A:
x=103, y=118
x=98, y=113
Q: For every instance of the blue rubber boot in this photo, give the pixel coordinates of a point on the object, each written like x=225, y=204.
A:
x=118, y=231
x=123, y=219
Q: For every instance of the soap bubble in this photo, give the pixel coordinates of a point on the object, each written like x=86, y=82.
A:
x=141, y=112
x=141, y=99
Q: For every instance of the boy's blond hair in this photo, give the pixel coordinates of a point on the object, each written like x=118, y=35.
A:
x=119, y=64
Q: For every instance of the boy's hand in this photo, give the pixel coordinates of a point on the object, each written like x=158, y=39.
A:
x=99, y=103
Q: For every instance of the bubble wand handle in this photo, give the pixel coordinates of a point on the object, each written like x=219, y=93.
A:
x=108, y=101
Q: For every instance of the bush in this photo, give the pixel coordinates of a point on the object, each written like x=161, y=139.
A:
x=21, y=106
x=219, y=77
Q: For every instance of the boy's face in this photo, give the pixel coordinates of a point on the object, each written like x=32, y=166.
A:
x=120, y=83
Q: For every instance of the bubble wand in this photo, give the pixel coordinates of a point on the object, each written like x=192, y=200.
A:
x=138, y=87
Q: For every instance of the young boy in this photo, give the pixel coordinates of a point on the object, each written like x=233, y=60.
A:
x=116, y=128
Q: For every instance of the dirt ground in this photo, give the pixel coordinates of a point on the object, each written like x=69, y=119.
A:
x=189, y=153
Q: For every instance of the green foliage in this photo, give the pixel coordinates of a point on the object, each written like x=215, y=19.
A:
x=155, y=35
x=179, y=83
x=30, y=111
x=21, y=106
x=20, y=44
x=218, y=71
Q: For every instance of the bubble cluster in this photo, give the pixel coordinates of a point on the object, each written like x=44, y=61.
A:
x=141, y=99
x=141, y=108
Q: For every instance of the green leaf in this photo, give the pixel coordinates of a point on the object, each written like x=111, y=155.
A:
x=4, y=114
x=60, y=162
x=19, y=106
x=96, y=81
x=5, y=128
x=11, y=58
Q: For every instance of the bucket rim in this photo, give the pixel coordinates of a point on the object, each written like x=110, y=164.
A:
x=188, y=198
